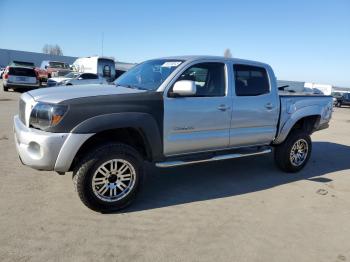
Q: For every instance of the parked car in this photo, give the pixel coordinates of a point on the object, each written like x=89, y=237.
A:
x=343, y=100
x=50, y=69
x=170, y=112
x=74, y=78
x=20, y=77
x=41, y=73
x=102, y=66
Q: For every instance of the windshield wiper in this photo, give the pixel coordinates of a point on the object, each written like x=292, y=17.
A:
x=132, y=87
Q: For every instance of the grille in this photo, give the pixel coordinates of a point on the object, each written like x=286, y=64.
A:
x=22, y=111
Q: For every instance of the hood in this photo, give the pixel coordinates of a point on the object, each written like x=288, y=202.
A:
x=62, y=93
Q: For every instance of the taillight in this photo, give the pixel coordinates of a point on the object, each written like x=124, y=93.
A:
x=6, y=73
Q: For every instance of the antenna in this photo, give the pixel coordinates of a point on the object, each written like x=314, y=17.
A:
x=102, y=42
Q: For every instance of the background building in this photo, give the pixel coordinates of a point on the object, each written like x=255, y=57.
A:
x=7, y=55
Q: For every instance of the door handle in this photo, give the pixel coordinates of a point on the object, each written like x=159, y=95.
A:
x=269, y=106
x=223, y=107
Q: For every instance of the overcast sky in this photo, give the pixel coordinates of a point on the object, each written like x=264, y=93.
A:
x=302, y=40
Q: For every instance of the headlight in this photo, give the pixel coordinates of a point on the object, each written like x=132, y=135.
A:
x=44, y=116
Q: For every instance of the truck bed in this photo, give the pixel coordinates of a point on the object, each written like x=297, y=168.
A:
x=295, y=106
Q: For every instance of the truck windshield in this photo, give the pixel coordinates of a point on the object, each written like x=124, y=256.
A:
x=71, y=75
x=58, y=65
x=148, y=75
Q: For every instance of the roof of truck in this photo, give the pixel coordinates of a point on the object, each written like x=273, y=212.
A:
x=201, y=57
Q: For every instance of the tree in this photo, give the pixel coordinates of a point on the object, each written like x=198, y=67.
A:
x=52, y=49
x=227, y=53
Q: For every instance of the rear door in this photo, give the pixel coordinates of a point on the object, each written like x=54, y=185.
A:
x=200, y=122
x=255, y=106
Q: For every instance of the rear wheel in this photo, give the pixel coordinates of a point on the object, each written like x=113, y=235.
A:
x=293, y=154
x=109, y=178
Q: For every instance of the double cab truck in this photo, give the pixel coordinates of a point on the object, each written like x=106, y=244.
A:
x=170, y=112
x=50, y=69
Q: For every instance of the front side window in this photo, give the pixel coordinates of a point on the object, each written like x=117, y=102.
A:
x=148, y=75
x=209, y=78
x=89, y=76
x=250, y=80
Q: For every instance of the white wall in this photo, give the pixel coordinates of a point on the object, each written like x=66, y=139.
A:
x=324, y=89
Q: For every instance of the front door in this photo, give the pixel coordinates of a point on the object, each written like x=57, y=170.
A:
x=201, y=122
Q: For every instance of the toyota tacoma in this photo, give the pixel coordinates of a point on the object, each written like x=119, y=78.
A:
x=170, y=112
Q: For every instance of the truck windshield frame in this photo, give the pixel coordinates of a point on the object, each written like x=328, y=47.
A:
x=148, y=75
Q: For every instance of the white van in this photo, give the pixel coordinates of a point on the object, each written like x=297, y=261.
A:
x=102, y=66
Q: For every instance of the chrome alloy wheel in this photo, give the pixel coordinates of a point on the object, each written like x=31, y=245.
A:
x=299, y=152
x=113, y=180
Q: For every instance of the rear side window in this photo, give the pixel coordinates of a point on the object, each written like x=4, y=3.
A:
x=250, y=80
x=19, y=71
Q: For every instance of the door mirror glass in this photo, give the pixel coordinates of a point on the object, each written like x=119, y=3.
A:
x=184, y=88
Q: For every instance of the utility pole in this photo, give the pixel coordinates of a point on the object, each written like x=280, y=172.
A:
x=102, y=42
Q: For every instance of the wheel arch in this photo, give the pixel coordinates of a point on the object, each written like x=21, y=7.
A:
x=139, y=130
x=307, y=119
x=127, y=135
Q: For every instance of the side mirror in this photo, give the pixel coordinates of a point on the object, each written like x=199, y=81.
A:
x=184, y=88
x=80, y=78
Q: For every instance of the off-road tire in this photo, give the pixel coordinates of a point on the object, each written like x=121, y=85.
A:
x=283, y=151
x=84, y=171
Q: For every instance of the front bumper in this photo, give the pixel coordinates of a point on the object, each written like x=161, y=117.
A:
x=36, y=148
x=44, y=150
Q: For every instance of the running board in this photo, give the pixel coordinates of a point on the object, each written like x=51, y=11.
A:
x=215, y=158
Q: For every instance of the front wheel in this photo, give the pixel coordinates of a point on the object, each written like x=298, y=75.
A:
x=293, y=154
x=5, y=88
x=109, y=178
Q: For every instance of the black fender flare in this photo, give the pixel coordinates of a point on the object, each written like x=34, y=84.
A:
x=150, y=129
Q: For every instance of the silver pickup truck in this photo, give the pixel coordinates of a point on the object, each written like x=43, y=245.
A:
x=170, y=112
